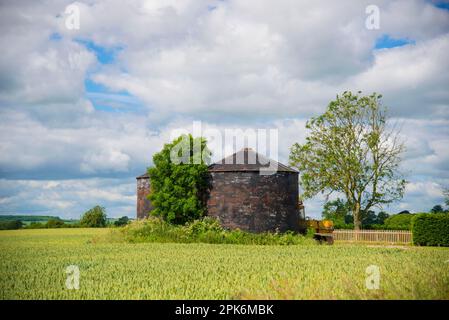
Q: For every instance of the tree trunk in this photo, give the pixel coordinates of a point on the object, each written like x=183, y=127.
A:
x=356, y=215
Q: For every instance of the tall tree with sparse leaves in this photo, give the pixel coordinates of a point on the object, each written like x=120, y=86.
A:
x=179, y=180
x=351, y=150
x=446, y=196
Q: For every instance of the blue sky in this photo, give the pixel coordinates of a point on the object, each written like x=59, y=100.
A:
x=442, y=4
x=387, y=42
x=83, y=111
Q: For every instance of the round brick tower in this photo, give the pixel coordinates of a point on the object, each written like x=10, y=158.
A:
x=244, y=195
x=143, y=190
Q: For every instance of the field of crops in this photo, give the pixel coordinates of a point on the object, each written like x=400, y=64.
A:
x=33, y=265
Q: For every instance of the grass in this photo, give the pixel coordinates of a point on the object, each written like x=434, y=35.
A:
x=206, y=230
x=33, y=263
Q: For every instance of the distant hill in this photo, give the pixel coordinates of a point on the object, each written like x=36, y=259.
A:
x=27, y=218
x=32, y=218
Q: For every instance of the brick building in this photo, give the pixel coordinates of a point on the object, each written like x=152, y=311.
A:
x=143, y=190
x=245, y=195
x=241, y=197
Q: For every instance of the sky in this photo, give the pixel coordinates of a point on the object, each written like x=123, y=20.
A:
x=84, y=107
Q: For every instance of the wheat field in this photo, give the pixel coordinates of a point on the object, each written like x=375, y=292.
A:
x=33, y=265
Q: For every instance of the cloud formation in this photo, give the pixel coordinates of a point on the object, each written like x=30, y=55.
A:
x=82, y=111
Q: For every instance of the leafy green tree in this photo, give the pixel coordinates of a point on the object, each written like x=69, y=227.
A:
x=336, y=210
x=179, y=180
x=94, y=218
x=437, y=209
x=446, y=196
x=369, y=218
x=381, y=217
x=123, y=221
x=351, y=150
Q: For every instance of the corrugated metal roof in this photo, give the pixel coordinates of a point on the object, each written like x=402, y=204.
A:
x=248, y=160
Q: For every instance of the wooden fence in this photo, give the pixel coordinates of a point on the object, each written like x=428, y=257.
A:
x=388, y=236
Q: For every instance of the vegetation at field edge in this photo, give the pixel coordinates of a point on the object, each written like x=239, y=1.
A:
x=205, y=230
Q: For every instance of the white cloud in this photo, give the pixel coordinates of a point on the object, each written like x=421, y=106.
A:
x=410, y=78
x=68, y=198
x=247, y=64
x=107, y=158
x=254, y=58
x=413, y=19
x=52, y=72
x=430, y=189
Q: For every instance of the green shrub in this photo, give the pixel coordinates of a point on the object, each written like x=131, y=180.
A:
x=207, y=224
x=399, y=222
x=35, y=225
x=431, y=229
x=383, y=227
x=344, y=226
x=54, y=223
x=310, y=233
x=72, y=225
x=50, y=224
x=94, y=218
x=123, y=221
x=206, y=230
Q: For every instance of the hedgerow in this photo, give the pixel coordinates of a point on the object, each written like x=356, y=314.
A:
x=431, y=229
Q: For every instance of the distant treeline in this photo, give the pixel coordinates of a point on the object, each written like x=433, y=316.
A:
x=400, y=221
x=29, y=218
x=51, y=222
x=95, y=217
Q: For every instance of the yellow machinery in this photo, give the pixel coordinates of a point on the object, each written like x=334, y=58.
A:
x=322, y=228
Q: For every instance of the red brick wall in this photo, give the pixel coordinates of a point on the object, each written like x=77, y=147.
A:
x=143, y=204
x=253, y=202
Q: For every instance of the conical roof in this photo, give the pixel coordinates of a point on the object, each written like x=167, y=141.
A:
x=143, y=176
x=248, y=160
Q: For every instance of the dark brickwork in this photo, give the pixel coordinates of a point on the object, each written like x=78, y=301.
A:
x=241, y=197
x=253, y=202
x=143, y=190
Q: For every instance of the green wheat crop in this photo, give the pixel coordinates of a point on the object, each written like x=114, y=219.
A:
x=33, y=265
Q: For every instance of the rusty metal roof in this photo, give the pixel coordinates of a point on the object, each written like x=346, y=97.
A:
x=248, y=160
